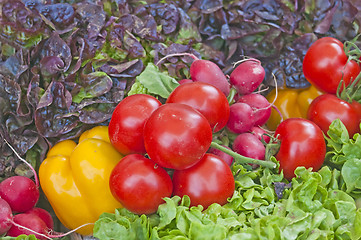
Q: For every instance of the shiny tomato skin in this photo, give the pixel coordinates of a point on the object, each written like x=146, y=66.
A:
x=302, y=144
x=139, y=184
x=127, y=123
x=176, y=136
x=327, y=107
x=205, y=98
x=209, y=181
x=357, y=107
x=325, y=64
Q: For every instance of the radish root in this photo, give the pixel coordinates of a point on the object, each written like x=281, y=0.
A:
x=194, y=57
x=245, y=59
x=274, y=100
x=28, y=229
x=49, y=236
x=26, y=162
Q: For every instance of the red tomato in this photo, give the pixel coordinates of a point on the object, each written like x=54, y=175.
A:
x=302, y=144
x=357, y=106
x=139, y=184
x=326, y=64
x=177, y=136
x=328, y=107
x=127, y=123
x=209, y=181
x=205, y=98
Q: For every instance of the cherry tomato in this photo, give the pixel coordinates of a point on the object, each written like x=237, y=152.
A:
x=139, y=184
x=328, y=107
x=326, y=64
x=205, y=98
x=209, y=181
x=357, y=106
x=127, y=123
x=302, y=144
x=177, y=136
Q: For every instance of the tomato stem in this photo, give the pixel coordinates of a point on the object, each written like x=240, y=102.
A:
x=350, y=92
x=242, y=159
x=352, y=50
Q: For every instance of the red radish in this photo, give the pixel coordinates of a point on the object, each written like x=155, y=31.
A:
x=23, y=223
x=241, y=118
x=242, y=159
x=248, y=145
x=260, y=105
x=33, y=223
x=20, y=192
x=247, y=76
x=209, y=72
x=30, y=222
x=6, y=216
x=224, y=156
x=205, y=71
x=44, y=215
x=261, y=134
x=185, y=81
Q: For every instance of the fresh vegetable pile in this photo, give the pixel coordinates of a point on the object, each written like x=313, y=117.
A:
x=186, y=120
x=64, y=65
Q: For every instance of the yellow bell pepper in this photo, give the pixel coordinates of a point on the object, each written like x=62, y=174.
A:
x=75, y=179
x=291, y=103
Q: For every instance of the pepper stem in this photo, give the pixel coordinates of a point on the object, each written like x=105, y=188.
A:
x=242, y=159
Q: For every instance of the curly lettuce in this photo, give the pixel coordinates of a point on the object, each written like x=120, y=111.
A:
x=313, y=208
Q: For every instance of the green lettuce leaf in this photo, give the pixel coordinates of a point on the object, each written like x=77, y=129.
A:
x=314, y=207
x=93, y=84
x=345, y=154
x=351, y=172
x=20, y=237
x=154, y=82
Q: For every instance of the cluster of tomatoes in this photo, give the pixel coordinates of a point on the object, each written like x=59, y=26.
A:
x=165, y=148
x=329, y=67
x=169, y=147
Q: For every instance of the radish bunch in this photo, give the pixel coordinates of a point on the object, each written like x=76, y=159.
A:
x=249, y=110
x=18, y=212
